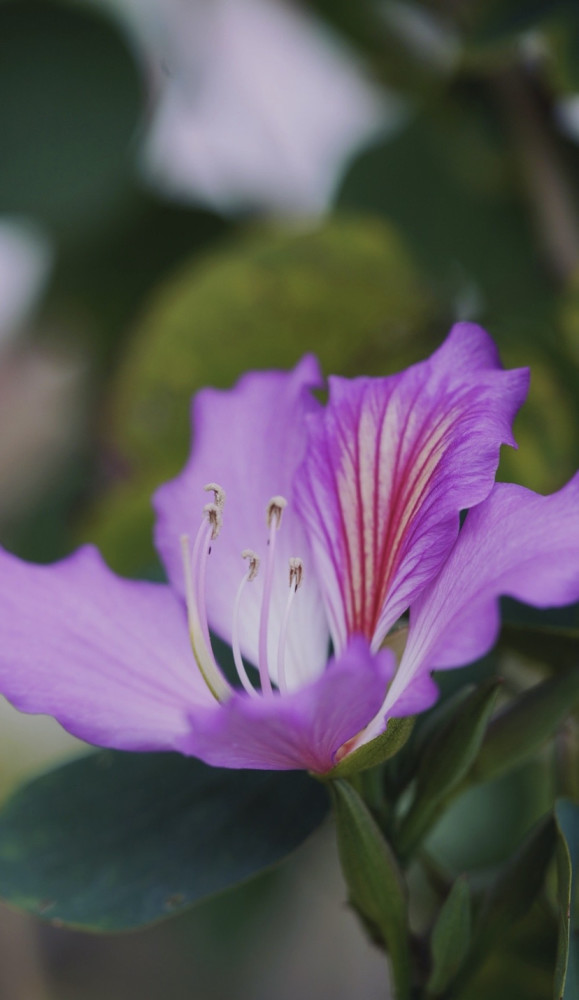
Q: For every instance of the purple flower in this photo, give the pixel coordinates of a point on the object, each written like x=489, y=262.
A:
x=347, y=516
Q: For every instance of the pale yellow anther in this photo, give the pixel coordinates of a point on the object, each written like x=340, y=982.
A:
x=218, y=494
x=215, y=518
x=253, y=563
x=275, y=510
x=202, y=652
x=296, y=572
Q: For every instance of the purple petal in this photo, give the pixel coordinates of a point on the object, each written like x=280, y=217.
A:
x=390, y=464
x=250, y=440
x=108, y=658
x=300, y=730
x=516, y=543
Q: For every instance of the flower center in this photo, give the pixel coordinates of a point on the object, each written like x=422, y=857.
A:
x=195, y=572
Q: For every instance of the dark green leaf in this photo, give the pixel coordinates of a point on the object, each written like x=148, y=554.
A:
x=468, y=837
x=374, y=881
x=511, y=896
x=450, y=938
x=502, y=19
x=377, y=751
x=525, y=724
x=117, y=840
x=71, y=102
x=554, y=647
x=567, y=970
x=446, y=759
x=520, y=966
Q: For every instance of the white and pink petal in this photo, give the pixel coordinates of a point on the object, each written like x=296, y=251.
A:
x=390, y=464
x=251, y=439
x=304, y=729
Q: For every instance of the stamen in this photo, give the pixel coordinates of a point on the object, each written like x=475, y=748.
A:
x=253, y=563
x=296, y=573
x=274, y=511
x=218, y=494
x=215, y=518
x=235, y=645
x=200, y=643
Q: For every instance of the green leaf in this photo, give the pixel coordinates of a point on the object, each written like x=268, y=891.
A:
x=446, y=760
x=511, y=896
x=375, y=884
x=521, y=728
x=567, y=969
x=450, y=938
x=467, y=836
x=71, y=103
x=503, y=19
x=555, y=647
x=376, y=751
x=520, y=966
x=115, y=840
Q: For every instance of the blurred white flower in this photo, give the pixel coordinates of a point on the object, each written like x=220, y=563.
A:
x=567, y=115
x=257, y=105
x=25, y=259
x=39, y=387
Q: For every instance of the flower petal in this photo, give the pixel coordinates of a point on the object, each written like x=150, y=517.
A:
x=299, y=730
x=390, y=464
x=108, y=658
x=516, y=543
x=250, y=440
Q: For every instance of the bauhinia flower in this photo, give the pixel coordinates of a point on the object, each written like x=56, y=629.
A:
x=321, y=527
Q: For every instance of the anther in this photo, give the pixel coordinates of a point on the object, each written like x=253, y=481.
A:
x=296, y=572
x=215, y=518
x=253, y=563
x=235, y=640
x=198, y=630
x=275, y=510
x=218, y=494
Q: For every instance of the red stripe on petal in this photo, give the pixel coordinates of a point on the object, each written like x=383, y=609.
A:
x=390, y=464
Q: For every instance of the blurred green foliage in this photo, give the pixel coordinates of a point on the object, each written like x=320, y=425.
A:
x=70, y=150
x=468, y=208
x=346, y=290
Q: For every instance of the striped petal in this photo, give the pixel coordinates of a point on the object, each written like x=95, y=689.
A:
x=300, y=730
x=517, y=544
x=390, y=464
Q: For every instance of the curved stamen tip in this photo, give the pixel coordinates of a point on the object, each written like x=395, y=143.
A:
x=275, y=510
x=253, y=563
x=218, y=494
x=296, y=572
x=215, y=518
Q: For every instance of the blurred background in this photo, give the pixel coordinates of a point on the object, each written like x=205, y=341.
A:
x=193, y=188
